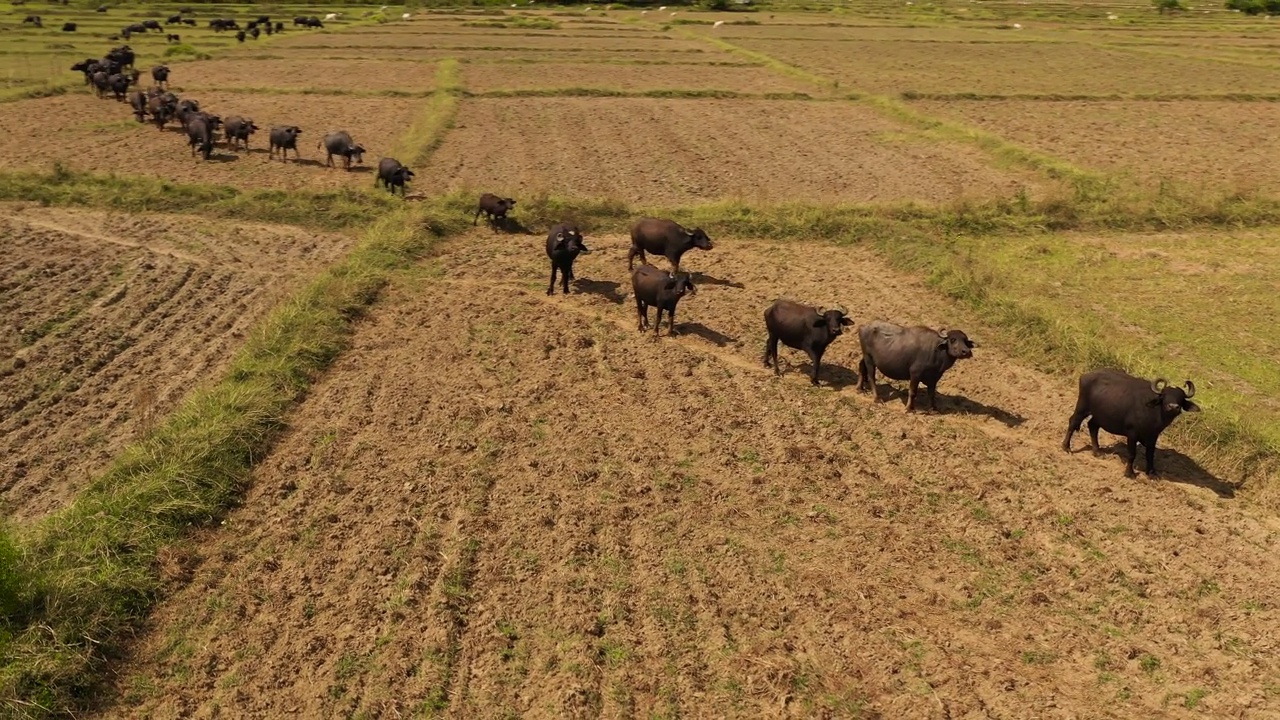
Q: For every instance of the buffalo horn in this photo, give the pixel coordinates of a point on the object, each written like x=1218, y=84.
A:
x=1191, y=389
x=1158, y=384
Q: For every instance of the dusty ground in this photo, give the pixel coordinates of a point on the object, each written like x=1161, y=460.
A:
x=1213, y=147
x=503, y=504
x=484, y=77
x=102, y=136
x=1004, y=68
x=365, y=75
x=109, y=320
x=686, y=151
x=513, y=40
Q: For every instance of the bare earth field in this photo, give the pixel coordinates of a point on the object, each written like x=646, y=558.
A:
x=513, y=76
x=110, y=319
x=503, y=504
x=496, y=39
x=1005, y=68
x=102, y=136
x=687, y=151
x=365, y=75
x=1214, y=148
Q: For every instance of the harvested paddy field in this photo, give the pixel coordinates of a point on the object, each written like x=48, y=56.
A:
x=110, y=319
x=1008, y=68
x=688, y=151
x=500, y=503
x=1214, y=150
x=486, y=77
x=539, y=42
x=310, y=74
x=102, y=136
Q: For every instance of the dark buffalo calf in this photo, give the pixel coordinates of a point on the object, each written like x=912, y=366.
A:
x=238, y=129
x=284, y=137
x=916, y=354
x=393, y=175
x=1133, y=408
x=801, y=327
x=666, y=238
x=200, y=134
x=68, y=27
x=494, y=207
x=564, y=244
x=663, y=291
x=138, y=101
x=160, y=74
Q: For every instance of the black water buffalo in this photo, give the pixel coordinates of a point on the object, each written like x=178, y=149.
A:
x=173, y=38
x=33, y=20
x=284, y=137
x=138, y=101
x=268, y=29
x=393, y=175
x=801, y=327
x=102, y=8
x=88, y=67
x=564, y=244
x=240, y=36
x=122, y=55
x=184, y=109
x=1134, y=408
x=279, y=27
x=254, y=33
x=162, y=108
x=916, y=354
x=238, y=129
x=340, y=143
x=68, y=27
x=189, y=21
x=200, y=134
x=152, y=25
x=666, y=238
x=101, y=83
x=263, y=20
x=160, y=74
x=494, y=207
x=173, y=20
x=663, y=291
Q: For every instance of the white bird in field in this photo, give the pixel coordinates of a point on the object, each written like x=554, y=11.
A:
x=664, y=7
x=718, y=23
x=1017, y=26
x=405, y=16
x=644, y=12
x=673, y=13
x=331, y=16
x=588, y=9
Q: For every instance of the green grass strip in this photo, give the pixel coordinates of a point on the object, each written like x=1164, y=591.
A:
x=434, y=120
x=330, y=209
x=78, y=582
x=1109, y=97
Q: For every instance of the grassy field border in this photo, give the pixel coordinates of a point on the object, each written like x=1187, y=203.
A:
x=434, y=120
x=86, y=576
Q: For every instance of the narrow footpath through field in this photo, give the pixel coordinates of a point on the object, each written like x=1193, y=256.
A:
x=499, y=503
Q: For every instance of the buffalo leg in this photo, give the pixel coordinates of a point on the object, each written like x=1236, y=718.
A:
x=657, y=321
x=675, y=264
x=815, y=358
x=868, y=373
x=1094, y=427
x=1133, y=457
x=565, y=274
x=671, y=322
x=551, y=289
x=771, y=352
x=476, y=219
x=631, y=256
x=642, y=311
x=913, y=388
x=1073, y=424
x=933, y=396
x=1151, y=459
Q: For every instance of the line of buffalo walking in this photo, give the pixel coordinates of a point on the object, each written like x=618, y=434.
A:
x=114, y=74
x=1136, y=409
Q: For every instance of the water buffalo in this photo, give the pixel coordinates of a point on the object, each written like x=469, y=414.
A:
x=238, y=129
x=279, y=27
x=340, y=143
x=564, y=244
x=284, y=137
x=88, y=67
x=68, y=27
x=160, y=74
x=102, y=8
x=663, y=291
x=666, y=238
x=152, y=25
x=801, y=327
x=254, y=33
x=173, y=38
x=123, y=55
x=101, y=83
x=392, y=174
x=494, y=207
x=162, y=108
x=917, y=354
x=189, y=21
x=33, y=20
x=173, y=20
x=184, y=109
x=200, y=133
x=240, y=36
x=1134, y=408
x=138, y=101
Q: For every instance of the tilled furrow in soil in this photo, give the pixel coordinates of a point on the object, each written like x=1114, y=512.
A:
x=502, y=503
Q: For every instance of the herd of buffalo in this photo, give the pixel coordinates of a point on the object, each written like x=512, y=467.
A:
x=114, y=74
x=1112, y=400
x=1134, y=408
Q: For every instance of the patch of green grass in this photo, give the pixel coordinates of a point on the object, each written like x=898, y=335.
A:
x=85, y=576
x=434, y=120
x=1149, y=663
x=1193, y=697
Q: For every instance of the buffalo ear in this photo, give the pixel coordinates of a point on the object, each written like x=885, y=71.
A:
x=845, y=321
x=971, y=343
x=1155, y=401
x=942, y=345
x=1189, y=406
x=671, y=284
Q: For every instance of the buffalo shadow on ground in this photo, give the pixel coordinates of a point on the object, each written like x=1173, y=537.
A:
x=717, y=338
x=508, y=225
x=1172, y=466
x=607, y=289
x=947, y=404
x=700, y=278
x=838, y=377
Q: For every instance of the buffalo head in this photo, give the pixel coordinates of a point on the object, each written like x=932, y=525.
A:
x=700, y=239
x=1173, y=400
x=956, y=343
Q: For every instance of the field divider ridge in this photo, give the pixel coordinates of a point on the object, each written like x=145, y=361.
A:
x=435, y=119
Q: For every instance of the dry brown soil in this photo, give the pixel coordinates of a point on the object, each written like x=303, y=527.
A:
x=485, y=77
x=1006, y=68
x=687, y=151
x=313, y=74
x=495, y=38
x=102, y=136
x=1192, y=142
x=503, y=504
x=109, y=319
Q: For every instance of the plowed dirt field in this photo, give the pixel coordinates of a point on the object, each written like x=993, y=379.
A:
x=108, y=320
x=687, y=151
x=500, y=504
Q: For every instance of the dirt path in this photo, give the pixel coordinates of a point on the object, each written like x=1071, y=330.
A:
x=502, y=504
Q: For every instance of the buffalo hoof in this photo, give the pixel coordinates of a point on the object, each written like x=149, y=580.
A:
x=1129, y=473
x=551, y=292
x=1066, y=446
